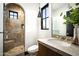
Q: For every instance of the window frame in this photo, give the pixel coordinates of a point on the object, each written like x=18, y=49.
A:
x=13, y=14
x=46, y=18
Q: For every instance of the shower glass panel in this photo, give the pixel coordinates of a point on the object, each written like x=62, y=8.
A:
x=13, y=33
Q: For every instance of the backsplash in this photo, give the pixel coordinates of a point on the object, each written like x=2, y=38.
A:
x=63, y=38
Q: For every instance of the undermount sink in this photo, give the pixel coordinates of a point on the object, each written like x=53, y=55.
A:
x=58, y=42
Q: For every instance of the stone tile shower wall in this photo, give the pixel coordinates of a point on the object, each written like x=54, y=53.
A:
x=14, y=33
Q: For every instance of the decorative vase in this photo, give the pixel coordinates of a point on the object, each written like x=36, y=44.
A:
x=75, y=38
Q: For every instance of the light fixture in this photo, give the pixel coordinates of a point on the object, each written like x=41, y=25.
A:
x=39, y=13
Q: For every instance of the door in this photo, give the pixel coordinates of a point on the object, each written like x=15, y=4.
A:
x=13, y=29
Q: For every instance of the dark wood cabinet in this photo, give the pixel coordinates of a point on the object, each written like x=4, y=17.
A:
x=44, y=51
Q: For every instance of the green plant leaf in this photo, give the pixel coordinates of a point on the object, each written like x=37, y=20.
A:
x=73, y=18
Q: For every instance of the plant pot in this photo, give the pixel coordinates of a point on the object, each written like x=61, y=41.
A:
x=75, y=38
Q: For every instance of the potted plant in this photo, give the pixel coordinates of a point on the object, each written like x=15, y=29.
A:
x=73, y=18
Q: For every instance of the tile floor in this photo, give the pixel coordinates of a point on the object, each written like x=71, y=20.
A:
x=15, y=51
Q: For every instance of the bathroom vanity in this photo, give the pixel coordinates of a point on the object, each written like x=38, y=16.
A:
x=54, y=47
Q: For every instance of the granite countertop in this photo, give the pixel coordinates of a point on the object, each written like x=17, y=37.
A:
x=61, y=47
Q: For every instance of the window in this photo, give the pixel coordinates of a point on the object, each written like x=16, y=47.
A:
x=13, y=15
x=44, y=18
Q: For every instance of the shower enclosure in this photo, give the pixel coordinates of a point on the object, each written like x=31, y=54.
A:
x=13, y=29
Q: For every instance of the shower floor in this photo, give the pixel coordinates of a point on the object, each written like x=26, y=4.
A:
x=15, y=51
